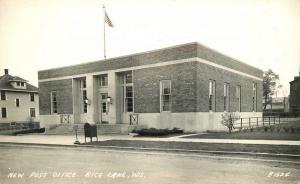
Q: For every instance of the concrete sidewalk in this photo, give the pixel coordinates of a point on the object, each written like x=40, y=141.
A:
x=69, y=139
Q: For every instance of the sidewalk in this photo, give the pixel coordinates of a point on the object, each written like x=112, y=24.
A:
x=69, y=139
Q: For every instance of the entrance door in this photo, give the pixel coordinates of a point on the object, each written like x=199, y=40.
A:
x=103, y=108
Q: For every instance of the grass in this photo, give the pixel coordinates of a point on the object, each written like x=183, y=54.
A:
x=256, y=148
x=279, y=132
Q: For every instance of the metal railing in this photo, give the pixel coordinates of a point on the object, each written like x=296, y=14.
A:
x=254, y=122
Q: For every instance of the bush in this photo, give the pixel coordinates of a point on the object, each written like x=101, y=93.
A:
x=157, y=132
x=228, y=120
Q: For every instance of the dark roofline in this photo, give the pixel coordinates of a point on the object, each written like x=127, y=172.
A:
x=123, y=56
x=149, y=51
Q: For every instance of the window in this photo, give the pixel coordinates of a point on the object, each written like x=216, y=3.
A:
x=103, y=80
x=226, y=96
x=104, y=102
x=22, y=83
x=84, y=95
x=254, y=97
x=3, y=95
x=128, y=92
x=32, y=112
x=238, y=98
x=165, y=99
x=17, y=102
x=212, y=96
x=3, y=112
x=32, y=97
x=53, y=102
x=18, y=83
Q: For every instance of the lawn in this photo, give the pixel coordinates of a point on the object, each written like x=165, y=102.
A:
x=255, y=148
x=284, y=131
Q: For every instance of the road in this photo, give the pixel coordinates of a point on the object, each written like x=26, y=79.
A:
x=44, y=164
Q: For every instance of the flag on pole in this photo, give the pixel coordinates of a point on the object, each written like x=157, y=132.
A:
x=107, y=20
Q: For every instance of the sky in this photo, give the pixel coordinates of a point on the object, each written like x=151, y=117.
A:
x=43, y=34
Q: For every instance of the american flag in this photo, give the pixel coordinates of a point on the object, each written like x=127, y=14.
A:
x=107, y=20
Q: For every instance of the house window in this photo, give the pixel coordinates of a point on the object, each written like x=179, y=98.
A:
x=32, y=97
x=103, y=80
x=212, y=95
x=165, y=99
x=104, y=102
x=128, y=92
x=18, y=83
x=32, y=112
x=254, y=97
x=53, y=102
x=84, y=95
x=17, y=102
x=3, y=112
x=238, y=98
x=226, y=96
x=3, y=95
x=22, y=83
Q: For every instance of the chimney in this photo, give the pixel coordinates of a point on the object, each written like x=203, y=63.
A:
x=6, y=71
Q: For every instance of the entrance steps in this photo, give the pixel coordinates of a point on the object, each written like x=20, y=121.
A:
x=62, y=129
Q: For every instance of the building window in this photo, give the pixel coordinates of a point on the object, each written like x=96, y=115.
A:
x=104, y=102
x=3, y=112
x=226, y=96
x=32, y=97
x=128, y=92
x=84, y=95
x=212, y=95
x=254, y=97
x=53, y=102
x=32, y=112
x=23, y=84
x=17, y=102
x=103, y=80
x=165, y=99
x=238, y=98
x=3, y=95
x=18, y=83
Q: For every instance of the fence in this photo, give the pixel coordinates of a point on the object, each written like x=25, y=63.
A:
x=253, y=122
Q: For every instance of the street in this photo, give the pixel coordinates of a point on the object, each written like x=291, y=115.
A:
x=50, y=164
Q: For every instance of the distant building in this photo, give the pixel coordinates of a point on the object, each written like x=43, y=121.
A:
x=187, y=86
x=277, y=104
x=19, y=101
x=295, y=95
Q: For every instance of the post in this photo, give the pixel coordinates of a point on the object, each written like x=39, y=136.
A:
x=263, y=121
x=256, y=121
x=249, y=122
x=241, y=123
x=279, y=120
x=104, y=44
x=269, y=120
x=274, y=120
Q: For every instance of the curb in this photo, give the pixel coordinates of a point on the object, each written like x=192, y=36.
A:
x=214, y=152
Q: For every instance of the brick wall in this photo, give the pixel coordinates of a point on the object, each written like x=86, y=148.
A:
x=147, y=88
x=64, y=96
x=206, y=72
x=295, y=95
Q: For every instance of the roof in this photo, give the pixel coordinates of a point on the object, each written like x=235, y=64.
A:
x=174, y=53
x=5, y=84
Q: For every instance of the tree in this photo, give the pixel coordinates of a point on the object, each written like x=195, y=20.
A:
x=228, y=119
x=269, y=85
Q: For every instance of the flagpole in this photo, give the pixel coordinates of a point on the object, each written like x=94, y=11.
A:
x=104, y=44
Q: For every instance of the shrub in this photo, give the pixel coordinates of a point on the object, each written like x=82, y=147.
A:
x=228, y=120
x=157, y=132
x=266, y=128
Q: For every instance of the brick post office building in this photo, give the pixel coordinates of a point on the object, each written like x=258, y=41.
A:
x=187, y=86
